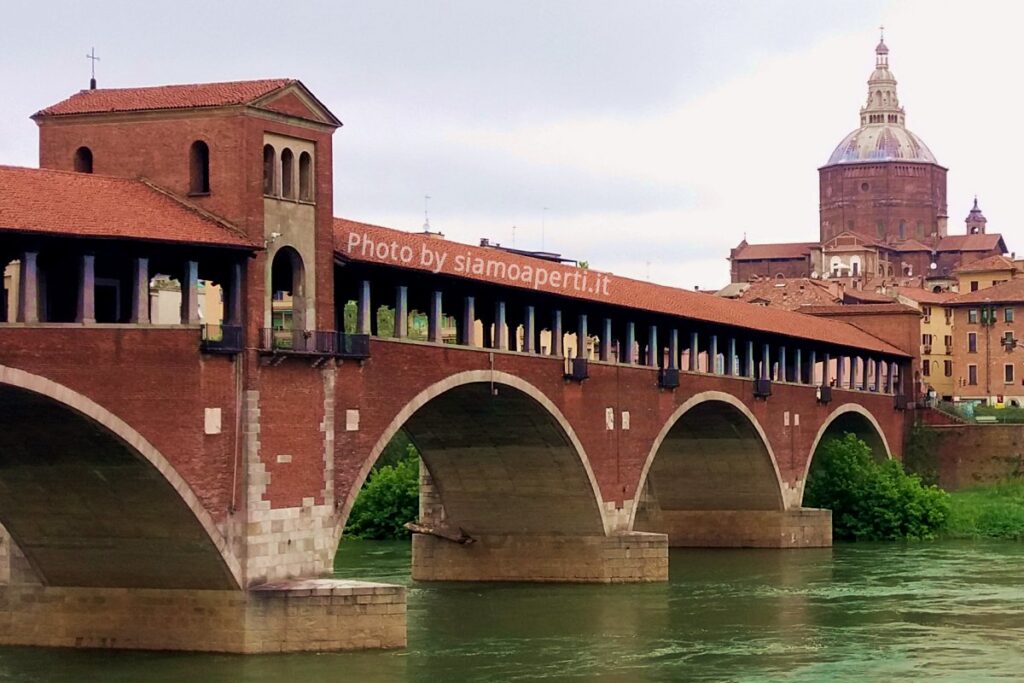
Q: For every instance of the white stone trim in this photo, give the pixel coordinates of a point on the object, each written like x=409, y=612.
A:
x=122, y=430
x=689, y=404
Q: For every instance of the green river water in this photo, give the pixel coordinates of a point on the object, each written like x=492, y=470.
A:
x=949, y=611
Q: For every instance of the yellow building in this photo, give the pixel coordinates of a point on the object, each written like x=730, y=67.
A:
x=938, y=371
x=985, y=273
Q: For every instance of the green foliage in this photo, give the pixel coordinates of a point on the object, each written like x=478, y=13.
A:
x=871, y=500
x=988, y=512
x=1006, y=415
x=389, y=499
x=920, y=453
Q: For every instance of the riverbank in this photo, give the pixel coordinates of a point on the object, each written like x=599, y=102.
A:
x=995, y=511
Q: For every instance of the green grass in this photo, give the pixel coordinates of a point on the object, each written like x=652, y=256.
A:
x=995, y=511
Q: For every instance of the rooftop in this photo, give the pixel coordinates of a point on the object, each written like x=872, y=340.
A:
x=63, y=203
x=362, y=242
x=986, y=264
x=925, y=296
x=788, y=293
x=758, y=252
x=1008, y=292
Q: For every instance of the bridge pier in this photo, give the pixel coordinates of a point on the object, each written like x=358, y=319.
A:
x=630, y=557
x=796, y=528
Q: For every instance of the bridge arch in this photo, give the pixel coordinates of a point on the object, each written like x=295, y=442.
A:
x=91, y=502
x=711, y=454
x=849, y=418
x=503, y=457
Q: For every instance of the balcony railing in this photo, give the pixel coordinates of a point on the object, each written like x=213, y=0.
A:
x=315, y=343
x=221, y=338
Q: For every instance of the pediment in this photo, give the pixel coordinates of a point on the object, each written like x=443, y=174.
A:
x=295, y=100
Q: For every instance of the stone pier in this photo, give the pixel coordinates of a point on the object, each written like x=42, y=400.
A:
x=798, y=528
x=619, y=558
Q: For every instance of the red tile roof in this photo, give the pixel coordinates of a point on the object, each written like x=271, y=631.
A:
x=416, y=251
x=85, y=205
x=760, y=252
x=925, y=296
x=788, y=293
x=984, y=242
x=1008, y=292
x=909, y=245
x=860, y=309
x=105, y=100
x=866, y=296
x=988, y=263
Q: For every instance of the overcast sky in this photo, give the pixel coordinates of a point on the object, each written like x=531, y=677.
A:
x=657, y=134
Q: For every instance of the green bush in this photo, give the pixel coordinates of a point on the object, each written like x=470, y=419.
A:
x=870, y=500
x=1007, y=415
x=389, y=499
x=995, y=511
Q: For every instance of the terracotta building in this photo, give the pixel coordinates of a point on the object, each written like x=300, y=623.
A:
x=988, y=329
x=882, y=207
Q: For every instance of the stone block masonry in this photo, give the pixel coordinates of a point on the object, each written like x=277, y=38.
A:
x=312, y=615
x=620, y=558
x=800, y=528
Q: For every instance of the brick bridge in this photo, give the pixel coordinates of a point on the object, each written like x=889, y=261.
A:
x=573, y=423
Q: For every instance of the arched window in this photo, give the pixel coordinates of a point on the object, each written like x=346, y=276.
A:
x=305, y=177
x=199, y=168
x=83, y=160
x=269, y=157
x=287, y=171
x=287, y=301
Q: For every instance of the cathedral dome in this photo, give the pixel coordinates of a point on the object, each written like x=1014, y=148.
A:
x=881, y=142
x=882, y=135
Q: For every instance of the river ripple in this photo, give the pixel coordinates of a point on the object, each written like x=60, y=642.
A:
x=948, y=611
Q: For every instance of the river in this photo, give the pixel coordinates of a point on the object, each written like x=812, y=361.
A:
x=951, y=611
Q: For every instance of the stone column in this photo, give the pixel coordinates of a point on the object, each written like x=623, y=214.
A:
x=556, y=333
x=694, y=352
x=798, y=366
x=730, y=361
x=629, y=357
x=401, y=312
x=434, y=318
x=812, y=364
x=673, y=350
x=140, y=293
x=606, y=340
x=28, y=288
x=766, y=362
x=235, y=301
x=529, y=330
x=582, y=337
x=190, y=294
x=713, y=355
x=782, y=377
x=749, y=366
x=853, y=373
x=889, y=371
x=653, y=351
x=866, y=362
x=500, y=329
x=364, y=314
x=467, y=326
x=839, y=371
x=87, y=290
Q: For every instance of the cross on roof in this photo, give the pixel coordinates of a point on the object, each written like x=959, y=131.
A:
x=92, y=56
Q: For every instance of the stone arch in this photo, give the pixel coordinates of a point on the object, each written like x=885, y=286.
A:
x=849, y=418
x=287, y=291
x=199, y=168
x=83, y=160
x=744, y=462
x=551, y=489
x=119, y=515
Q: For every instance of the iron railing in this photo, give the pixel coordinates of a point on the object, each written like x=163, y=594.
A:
x=221, y=338
x=315, y=342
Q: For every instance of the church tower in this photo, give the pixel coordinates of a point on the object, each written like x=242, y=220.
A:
x=976, y=220
x=882, y=182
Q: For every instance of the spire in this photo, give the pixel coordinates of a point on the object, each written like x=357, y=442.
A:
x=976, y=220
x=883, y=105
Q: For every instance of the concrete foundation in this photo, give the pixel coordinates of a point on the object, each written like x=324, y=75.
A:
x=622, y=558
x=799, y=528
x=312, y=615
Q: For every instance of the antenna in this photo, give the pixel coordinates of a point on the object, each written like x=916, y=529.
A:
x=514, y=228
x=92, y=56
x=426, y=213
x=543, y=225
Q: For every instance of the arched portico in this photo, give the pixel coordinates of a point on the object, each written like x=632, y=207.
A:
x=711, y=479
x=90, y=502
x=849, y=418
x=511, y=473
